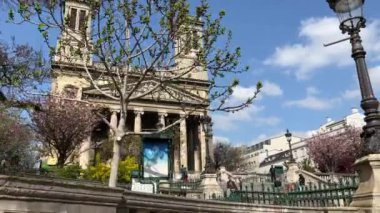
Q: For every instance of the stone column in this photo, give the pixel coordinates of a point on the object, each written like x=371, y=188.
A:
x=368, y=193
x=85, y=153
x=113, y=120
x=176, y=161
x=292, y=173
x=210, y=186
x=138, y=113
x=161, y=118
x=197, y=161
x=183, y=141
x=202, y=141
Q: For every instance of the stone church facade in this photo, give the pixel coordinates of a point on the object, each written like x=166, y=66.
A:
x=186, y=98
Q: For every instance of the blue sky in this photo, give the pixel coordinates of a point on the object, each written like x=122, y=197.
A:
x=281, y=40
x=304, y=82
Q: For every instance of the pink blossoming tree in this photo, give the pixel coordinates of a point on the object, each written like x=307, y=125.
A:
x=62, y=125
x=336, y=151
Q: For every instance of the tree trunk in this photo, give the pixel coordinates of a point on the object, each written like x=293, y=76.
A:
x=61, y=161
x=116, y=152
x=114, y=163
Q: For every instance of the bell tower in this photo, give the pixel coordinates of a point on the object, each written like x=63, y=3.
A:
x=188, y=44
x=74, y=43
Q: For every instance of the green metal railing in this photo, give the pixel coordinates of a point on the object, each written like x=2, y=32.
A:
x=319, y=195
x=180, y=185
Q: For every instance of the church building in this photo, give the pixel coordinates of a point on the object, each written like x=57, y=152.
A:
x=185, y=98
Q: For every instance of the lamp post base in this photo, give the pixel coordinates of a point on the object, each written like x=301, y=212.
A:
x=210, y=166
x=210, y=186
x=368, y=192
x=291, y=174
x=371, y=138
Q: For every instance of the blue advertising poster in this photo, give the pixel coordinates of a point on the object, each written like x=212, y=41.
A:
x=156, y=157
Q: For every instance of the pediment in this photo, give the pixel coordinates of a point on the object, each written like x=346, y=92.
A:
x=149, y=90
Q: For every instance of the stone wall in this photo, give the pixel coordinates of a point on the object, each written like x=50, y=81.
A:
x=138, y=202
x=21, y=194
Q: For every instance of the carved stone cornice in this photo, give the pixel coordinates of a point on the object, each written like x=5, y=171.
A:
x=170, y=94
x=98, y=68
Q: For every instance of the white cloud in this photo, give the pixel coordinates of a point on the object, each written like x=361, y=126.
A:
x=220, y=139
x=232, y=121
x=311, y=101
x=309, y=55
x=243, y=93
x=312, y=91
x=267, y=121
x=228, y=121
x=351, y=94
x=271, y=89
x=375, y=78
x=374, y=74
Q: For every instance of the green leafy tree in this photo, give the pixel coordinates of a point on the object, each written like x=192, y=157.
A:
x=70, y=171
x=137, y=41
x=306, y=164
x=22, y=71
x=101, y=171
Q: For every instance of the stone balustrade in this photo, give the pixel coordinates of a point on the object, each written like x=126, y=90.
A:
x=21, y=194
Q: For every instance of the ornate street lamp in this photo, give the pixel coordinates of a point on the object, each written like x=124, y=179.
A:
x=288, y=136
x=350, y=14
x=207, y=128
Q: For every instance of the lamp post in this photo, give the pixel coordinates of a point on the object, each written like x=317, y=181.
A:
x=288, y=136
x=207, y=128
x=350, y=14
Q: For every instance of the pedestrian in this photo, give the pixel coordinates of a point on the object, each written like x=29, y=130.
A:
x=3, y=166
x=301, y=180
x=184, y=175
x=231, y=184
x=240, y=184
x=272, y=173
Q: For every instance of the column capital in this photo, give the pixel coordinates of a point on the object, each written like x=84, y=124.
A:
x=114, y=109
x=138, y=111
x=183, y=115
x=162, y=113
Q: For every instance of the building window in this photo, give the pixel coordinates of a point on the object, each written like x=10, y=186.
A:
x=195, y=39
x=73, y=18
x=77, y=21
x=82, y=20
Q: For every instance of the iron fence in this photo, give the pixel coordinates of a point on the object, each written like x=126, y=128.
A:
x=181, y=185
x=311, y=195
